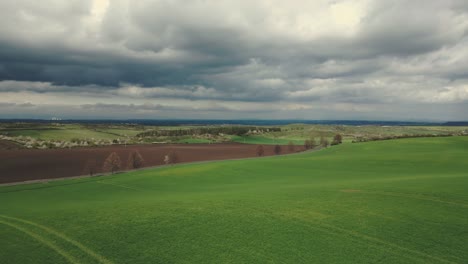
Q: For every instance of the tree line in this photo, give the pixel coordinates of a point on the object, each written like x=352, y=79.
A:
x=113, y=163
x=228, y=130
x=322, y=142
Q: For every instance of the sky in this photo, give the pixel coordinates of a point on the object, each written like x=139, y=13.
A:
x=239, y=59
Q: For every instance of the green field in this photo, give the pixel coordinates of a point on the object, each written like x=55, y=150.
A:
x=266, y=140
x=69, y=132
x=396, y=201
x=62, y=134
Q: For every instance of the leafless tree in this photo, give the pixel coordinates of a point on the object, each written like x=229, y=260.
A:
x=112, y=163
x=307, y=144
x=90, y=167
x=313, y=144
x=291, y=146
x=277, y=149
x=171, y=158
x=324, y=142
x=260, y=150
x=135, y=160
x=338, y=139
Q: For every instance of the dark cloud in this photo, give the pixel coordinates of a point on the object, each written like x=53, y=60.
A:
x=357, y=52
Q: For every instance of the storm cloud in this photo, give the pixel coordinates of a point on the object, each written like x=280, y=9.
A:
x=234, y=59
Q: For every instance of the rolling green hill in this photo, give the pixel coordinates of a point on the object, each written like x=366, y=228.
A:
x=397, y=201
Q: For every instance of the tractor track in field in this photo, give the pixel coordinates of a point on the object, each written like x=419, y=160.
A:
x=43, y=241
x=417, y=197
x=365, y=239
x=7, y=220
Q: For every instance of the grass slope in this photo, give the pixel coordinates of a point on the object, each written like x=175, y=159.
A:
x=400, y=201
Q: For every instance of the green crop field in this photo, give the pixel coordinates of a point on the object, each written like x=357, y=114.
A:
x=266, y=140
x=63, y=134
x=396, y=201
x=71, y=131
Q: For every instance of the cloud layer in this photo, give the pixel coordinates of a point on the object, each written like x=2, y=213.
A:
x=234, y=59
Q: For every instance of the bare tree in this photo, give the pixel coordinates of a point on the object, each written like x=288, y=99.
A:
x=307, y=144
x=260, y=150
x=112, y=163
x=291, y=146
x=338, y=139
x=324, y=142
x=277, y=149
x=171, y=158
x=135, y=160
x=313, y=144
x=90, y=167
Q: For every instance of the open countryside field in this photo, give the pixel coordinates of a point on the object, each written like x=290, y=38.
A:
x=396, y=201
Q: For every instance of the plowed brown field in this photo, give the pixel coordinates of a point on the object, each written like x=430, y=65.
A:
x=32, y=164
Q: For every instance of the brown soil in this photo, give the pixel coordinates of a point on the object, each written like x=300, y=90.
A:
x=31, y=164
x=6, y=144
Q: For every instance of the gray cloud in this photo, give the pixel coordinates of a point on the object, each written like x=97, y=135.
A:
x=359, y=52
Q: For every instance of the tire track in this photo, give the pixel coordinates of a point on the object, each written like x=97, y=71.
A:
x=316, y=225
x=423, y=198
x=381, y=244
x=77, y=244
x=43, y=241
x=362, y=242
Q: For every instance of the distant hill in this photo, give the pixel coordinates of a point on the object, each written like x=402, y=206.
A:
x=252, y=122
x=456, y=123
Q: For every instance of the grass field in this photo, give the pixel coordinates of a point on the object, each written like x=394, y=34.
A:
x=266, y=140
x=72, y=131
x=63, y=134
x=397, y=201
